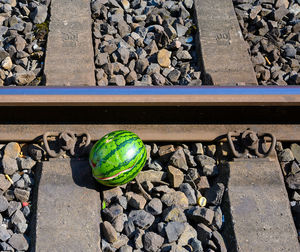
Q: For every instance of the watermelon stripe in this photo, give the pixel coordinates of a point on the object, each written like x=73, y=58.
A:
x=126, y=177
x=103, y=141
x=112, y=177
x=124, y=164
x=115, y=145
x=118, y=133
x=109, y=164
x=108, y=148
x=112, y=152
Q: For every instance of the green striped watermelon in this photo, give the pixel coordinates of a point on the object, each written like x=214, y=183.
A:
x=117, y=158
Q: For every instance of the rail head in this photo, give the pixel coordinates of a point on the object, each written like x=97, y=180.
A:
x=150, y=96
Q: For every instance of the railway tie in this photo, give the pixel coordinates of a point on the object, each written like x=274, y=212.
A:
x=68, y=207
x=69, y=60
x=225, y=59
x=260, y=208
x=260, y=213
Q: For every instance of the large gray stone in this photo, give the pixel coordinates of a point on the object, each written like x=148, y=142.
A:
x=219, y=241
x=24, y=78
x=208, y=165
x=218, y=218
x=118, y=223
x=201, y=214
x=129, y=228
x=19, y=242
x=295, y=148
x=286, y=155
x=108, y=195
x=175, y=176
x=175, y=198
x=155, y=165
x=174, y=213
x=4, y=234
x=196, y=245
x=138, y=238
x=112, y=212
x=152, y=241
x=109, y=232
x=154, y=206
x=122, y=201
x=120, y=242
x=39, y=14
x=290, y=51
x=141, y=218
x=4, y=183
x=151, y=176
x=137, y=201
x=174, y=230
x=10, y=165
x=5, y=247
x=125, y=248
x=293, y=181
x=141, y=65
x=18, y=218
x=107, y=247
x=21, y=194
x=13, y=207
x=178, y=159
x=3, y=204
x=189, y=158
x=188, y=233
x=189, y=193
x=214, y=194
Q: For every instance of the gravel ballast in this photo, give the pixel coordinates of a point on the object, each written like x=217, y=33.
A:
x=272, y=30
x=145, y=43
x=16, y=186
x=23, y=35
x=289, y=157
x=173, y=205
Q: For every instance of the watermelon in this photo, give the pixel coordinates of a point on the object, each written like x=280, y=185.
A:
x=117, y=158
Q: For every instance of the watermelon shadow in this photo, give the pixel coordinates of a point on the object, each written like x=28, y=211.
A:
x=82, y=174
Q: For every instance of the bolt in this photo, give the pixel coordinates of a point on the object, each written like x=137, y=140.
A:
x=66, y=141
x=253, y=138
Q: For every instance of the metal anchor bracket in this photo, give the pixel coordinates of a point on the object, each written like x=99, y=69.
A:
x=76, y=144
x=251, y=142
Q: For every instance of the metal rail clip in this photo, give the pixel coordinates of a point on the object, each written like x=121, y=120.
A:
x=250, y=141
x=76, y=144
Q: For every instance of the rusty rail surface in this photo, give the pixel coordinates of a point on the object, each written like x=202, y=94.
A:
x=157, y=133
x=150, y=96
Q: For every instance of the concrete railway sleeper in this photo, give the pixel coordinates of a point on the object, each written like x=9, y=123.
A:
x=190, y=196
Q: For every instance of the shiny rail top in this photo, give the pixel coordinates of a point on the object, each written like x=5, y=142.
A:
x=150, y=96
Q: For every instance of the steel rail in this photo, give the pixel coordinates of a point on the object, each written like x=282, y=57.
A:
x=154, y=132
x=150, y=96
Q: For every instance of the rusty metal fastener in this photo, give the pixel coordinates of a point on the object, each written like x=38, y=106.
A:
x=250, y=140
x=67, y=141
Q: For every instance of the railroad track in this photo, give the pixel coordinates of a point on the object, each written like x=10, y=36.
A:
x=64, y=187
x=198, y=190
